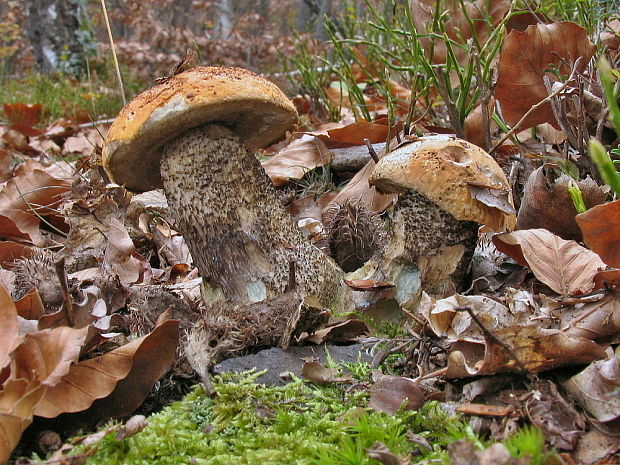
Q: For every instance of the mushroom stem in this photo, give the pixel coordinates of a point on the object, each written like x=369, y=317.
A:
x=238, y=232
x=427, y=249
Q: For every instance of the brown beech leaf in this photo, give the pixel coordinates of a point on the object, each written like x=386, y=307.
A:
x=358, y=190
x=17, y=401
x=547, y=204
x=317, y=373
x=21, y=113
x=389, y=393
x=601, y=231
x=341, y=332
x=564, y=266
x=528, y=56
x=47, y=355
x=299, y=157
x=11, y=251
x=597, y=388
x=355, y=133
x=383, y=454
x=537, y=349
x=24, y=199
x=9, y=338
x=116, y=383
x=594, y=320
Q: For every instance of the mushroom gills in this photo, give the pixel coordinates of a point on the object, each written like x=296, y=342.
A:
x=239, y=234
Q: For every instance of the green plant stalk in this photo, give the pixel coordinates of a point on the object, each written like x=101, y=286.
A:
x=576, y=197
x=605, y=165
x=610, y=94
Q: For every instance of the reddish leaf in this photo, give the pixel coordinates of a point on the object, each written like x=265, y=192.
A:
x=601, y=231
x=11, y=251
x=528, y=56
x=564, y=266
x=355, y=133
x=24, y=199
x=20, y=113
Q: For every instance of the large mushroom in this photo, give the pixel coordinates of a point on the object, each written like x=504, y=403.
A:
x=449, y=188
x=193, y=135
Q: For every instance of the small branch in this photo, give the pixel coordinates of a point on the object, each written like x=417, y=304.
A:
x=371, y=151
x=116, y=66
x=489, y=335
x=537, y=106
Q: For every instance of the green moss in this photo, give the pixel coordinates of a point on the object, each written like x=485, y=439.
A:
x=301, y=423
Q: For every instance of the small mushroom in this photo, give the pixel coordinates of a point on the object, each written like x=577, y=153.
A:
x=193, y=135
x=450, y=187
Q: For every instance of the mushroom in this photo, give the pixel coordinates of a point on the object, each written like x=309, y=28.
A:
x=450, y=187
x=193, y=135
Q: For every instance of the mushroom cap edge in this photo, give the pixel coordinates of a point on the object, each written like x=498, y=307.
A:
x=253, y=107
x=442, y=167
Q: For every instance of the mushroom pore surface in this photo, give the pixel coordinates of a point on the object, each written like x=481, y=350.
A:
x=238, y=233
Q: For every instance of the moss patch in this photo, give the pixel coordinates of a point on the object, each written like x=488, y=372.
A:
x=300, y=423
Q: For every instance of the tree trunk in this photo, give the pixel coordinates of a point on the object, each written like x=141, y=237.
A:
x=224, y=19
x=58, y=35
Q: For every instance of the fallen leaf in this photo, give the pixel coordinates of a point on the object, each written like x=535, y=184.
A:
x=341, y=332
x=564, y=266
x=17, y=401
x=299, y=157
x=383, y=454
x=390, y=393
x=537, y=349
x=317, y=373
x=115, y=383
x=24, y=114
x=594, y=320
x=48, y=355
x=597, y=388
x=356, y=133
x=601, y=231
x=9, y=338
x=547, y=204
x=486, y=410
x=24, y=199
x=528, y=56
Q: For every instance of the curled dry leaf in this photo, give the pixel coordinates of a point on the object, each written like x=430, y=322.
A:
x=17, y=401
x=389, y=393
x=564, y=266
x=9, y=338
x=299, y=157
x=597, y=388
x=536, y=349
x=47, y=355
x=356, y=133
x=342, y=332
x=137, y=364
x=547, y=204
x=447, y=322
x=601, y=231
x=25, y=199
x=527, y=57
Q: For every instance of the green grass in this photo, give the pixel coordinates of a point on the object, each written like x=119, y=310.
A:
x=62, y=96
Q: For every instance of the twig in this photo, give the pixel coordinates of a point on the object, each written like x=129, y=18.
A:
x=537, y=106
x=489, y=335
x=371, y=151
x=64, y=287
x=116, y=67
